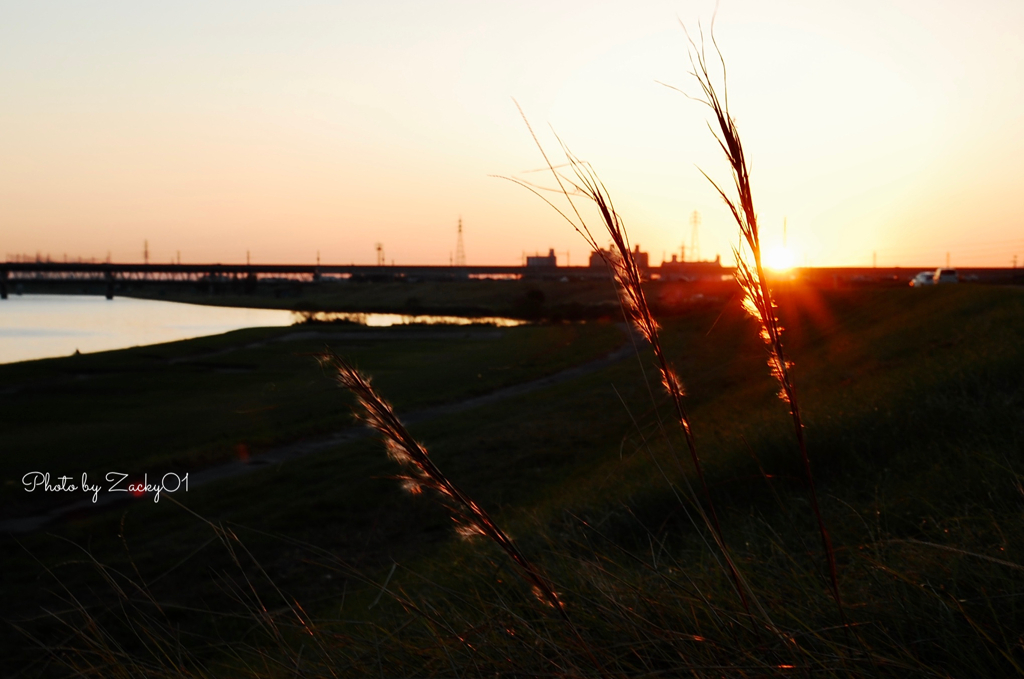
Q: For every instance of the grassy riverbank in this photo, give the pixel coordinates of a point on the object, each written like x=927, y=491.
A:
x=912, y=401
x=551, y=300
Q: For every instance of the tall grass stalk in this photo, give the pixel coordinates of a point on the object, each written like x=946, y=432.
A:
x=470, y=518
x=629, y=285
x=757, y=294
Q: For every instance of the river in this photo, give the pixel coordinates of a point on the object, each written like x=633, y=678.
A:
x=47, y=326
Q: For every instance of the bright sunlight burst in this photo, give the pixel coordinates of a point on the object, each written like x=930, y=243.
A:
x=779, y=259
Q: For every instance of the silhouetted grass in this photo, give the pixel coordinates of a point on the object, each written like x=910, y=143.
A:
x=632, y=298
x=469, y=517
x=758, y=298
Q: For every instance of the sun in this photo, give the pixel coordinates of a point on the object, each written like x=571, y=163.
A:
x=779, y=259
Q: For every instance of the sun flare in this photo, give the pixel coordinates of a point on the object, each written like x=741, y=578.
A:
x=779, y=259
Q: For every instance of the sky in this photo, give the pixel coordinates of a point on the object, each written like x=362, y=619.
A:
x=878, y=131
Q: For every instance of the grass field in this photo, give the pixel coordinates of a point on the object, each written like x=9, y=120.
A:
x=552, y=300
x=912, y=400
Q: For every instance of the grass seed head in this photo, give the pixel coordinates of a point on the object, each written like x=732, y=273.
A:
x=757, y=295
x=470, y=519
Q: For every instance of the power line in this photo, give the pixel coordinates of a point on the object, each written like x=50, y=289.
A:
x=694, y=237
x=460, y=250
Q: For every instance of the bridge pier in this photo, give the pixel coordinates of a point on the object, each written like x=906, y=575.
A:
x=3, y=284
x=109, y=276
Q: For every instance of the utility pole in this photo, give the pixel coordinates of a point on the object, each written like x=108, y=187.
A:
x=179, y=257
x=145, y=251
x=460, y=250
x=247, y=258
x=694, y=239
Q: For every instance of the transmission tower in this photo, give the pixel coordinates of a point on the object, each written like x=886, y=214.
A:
x=694, y=238
x=380, y=254
x=460, y=250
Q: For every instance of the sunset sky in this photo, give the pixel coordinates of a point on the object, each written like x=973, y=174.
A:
x=288, y=128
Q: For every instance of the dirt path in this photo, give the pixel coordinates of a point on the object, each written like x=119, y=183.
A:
x=326, y=335
x=292, y=451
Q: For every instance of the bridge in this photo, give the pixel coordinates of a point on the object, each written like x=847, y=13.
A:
x=246, y=277
x=110, y=278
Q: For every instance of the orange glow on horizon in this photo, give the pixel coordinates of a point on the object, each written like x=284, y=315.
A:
x=324, y=129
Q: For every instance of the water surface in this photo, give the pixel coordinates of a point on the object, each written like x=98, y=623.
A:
x=45, y=326
x=386, y=320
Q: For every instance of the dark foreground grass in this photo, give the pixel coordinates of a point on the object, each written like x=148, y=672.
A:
x=916, y=432
x=189, y=404
x=912, y=403
x=343, y=495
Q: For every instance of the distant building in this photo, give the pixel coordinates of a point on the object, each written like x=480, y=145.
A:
x=676, y=270
x=597, y=258
x=641, y=258
x=548, y=260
